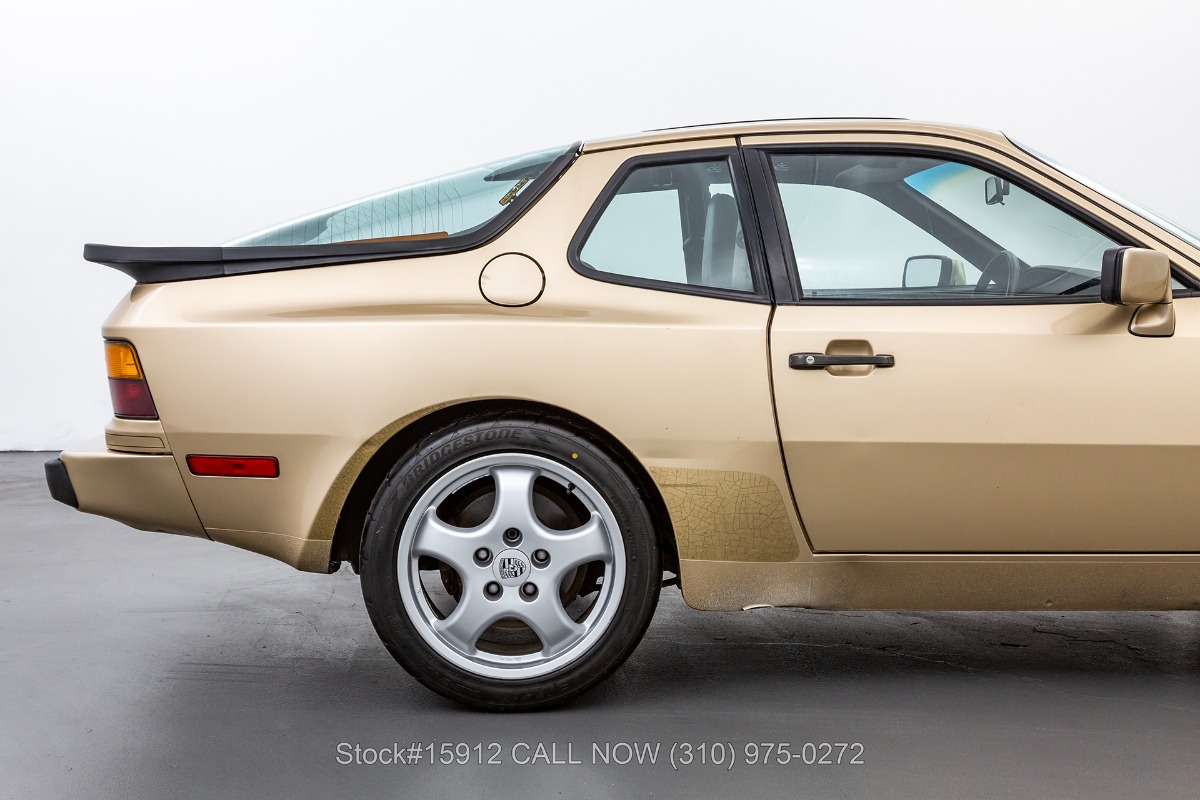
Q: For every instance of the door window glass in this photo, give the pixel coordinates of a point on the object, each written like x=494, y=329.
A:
x=900, y=227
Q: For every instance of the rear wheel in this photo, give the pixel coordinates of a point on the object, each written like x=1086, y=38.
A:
x=508, y=563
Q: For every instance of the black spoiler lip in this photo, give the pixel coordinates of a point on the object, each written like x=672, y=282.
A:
x=168, y=264
x=154, y=264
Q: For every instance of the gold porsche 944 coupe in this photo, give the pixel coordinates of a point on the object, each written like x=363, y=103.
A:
x=833, y=364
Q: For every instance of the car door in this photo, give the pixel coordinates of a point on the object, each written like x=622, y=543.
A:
x=946, y=378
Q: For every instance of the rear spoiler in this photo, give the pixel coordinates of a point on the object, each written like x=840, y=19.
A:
x=159, y=264
x=169, y=264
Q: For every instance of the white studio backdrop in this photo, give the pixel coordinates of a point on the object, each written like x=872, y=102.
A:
x=189, y=123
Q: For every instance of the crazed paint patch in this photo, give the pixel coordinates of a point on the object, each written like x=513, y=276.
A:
x=727, y=516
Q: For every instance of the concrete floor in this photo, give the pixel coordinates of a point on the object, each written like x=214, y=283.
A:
x=142, y=665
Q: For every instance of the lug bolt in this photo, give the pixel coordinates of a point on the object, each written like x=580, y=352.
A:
x=541, y=558
x=529, y=591
x=483, y=556
x=492, y=590
x=512, y=536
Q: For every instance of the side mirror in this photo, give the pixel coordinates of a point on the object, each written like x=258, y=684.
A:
x=995, y=190
x=928, y=271
x=1133, y=276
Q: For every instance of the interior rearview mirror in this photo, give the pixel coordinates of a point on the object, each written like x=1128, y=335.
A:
x=923, y=272
x=995, y=190
x=1134, y=276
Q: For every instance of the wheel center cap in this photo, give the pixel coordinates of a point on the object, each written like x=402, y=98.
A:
x=511, y=567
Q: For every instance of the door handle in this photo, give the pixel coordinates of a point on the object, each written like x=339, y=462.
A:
x=821, y=361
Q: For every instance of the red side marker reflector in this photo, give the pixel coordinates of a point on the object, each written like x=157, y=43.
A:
x=234, y=466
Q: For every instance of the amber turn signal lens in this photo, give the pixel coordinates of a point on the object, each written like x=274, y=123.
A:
x=122, y=361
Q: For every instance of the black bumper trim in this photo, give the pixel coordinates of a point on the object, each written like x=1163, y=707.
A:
x=60, y=483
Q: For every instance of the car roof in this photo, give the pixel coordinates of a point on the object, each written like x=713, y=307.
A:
x=767, y=127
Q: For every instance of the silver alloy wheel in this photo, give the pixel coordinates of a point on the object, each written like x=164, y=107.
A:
x=497, y=587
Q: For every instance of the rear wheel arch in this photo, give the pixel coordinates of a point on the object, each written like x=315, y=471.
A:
x=347, y=535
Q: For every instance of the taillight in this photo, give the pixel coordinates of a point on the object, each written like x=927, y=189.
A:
x=126, y=382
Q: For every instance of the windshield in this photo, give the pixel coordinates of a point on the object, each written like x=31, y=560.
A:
x=447, y=206
x=1116, y=197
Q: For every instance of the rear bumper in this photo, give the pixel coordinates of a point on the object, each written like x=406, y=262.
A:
x=140, y=490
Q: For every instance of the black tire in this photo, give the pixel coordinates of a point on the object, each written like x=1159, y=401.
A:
x=488, y=434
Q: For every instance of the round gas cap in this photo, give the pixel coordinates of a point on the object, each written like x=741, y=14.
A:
x=512, y=279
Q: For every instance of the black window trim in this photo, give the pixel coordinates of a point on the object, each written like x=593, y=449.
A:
x=167, y=264
x=785, y=274
x=742, y=195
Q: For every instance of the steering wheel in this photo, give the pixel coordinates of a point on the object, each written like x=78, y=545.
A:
x=1001, y=271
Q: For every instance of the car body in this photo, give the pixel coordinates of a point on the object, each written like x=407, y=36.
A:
x=852, y=363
